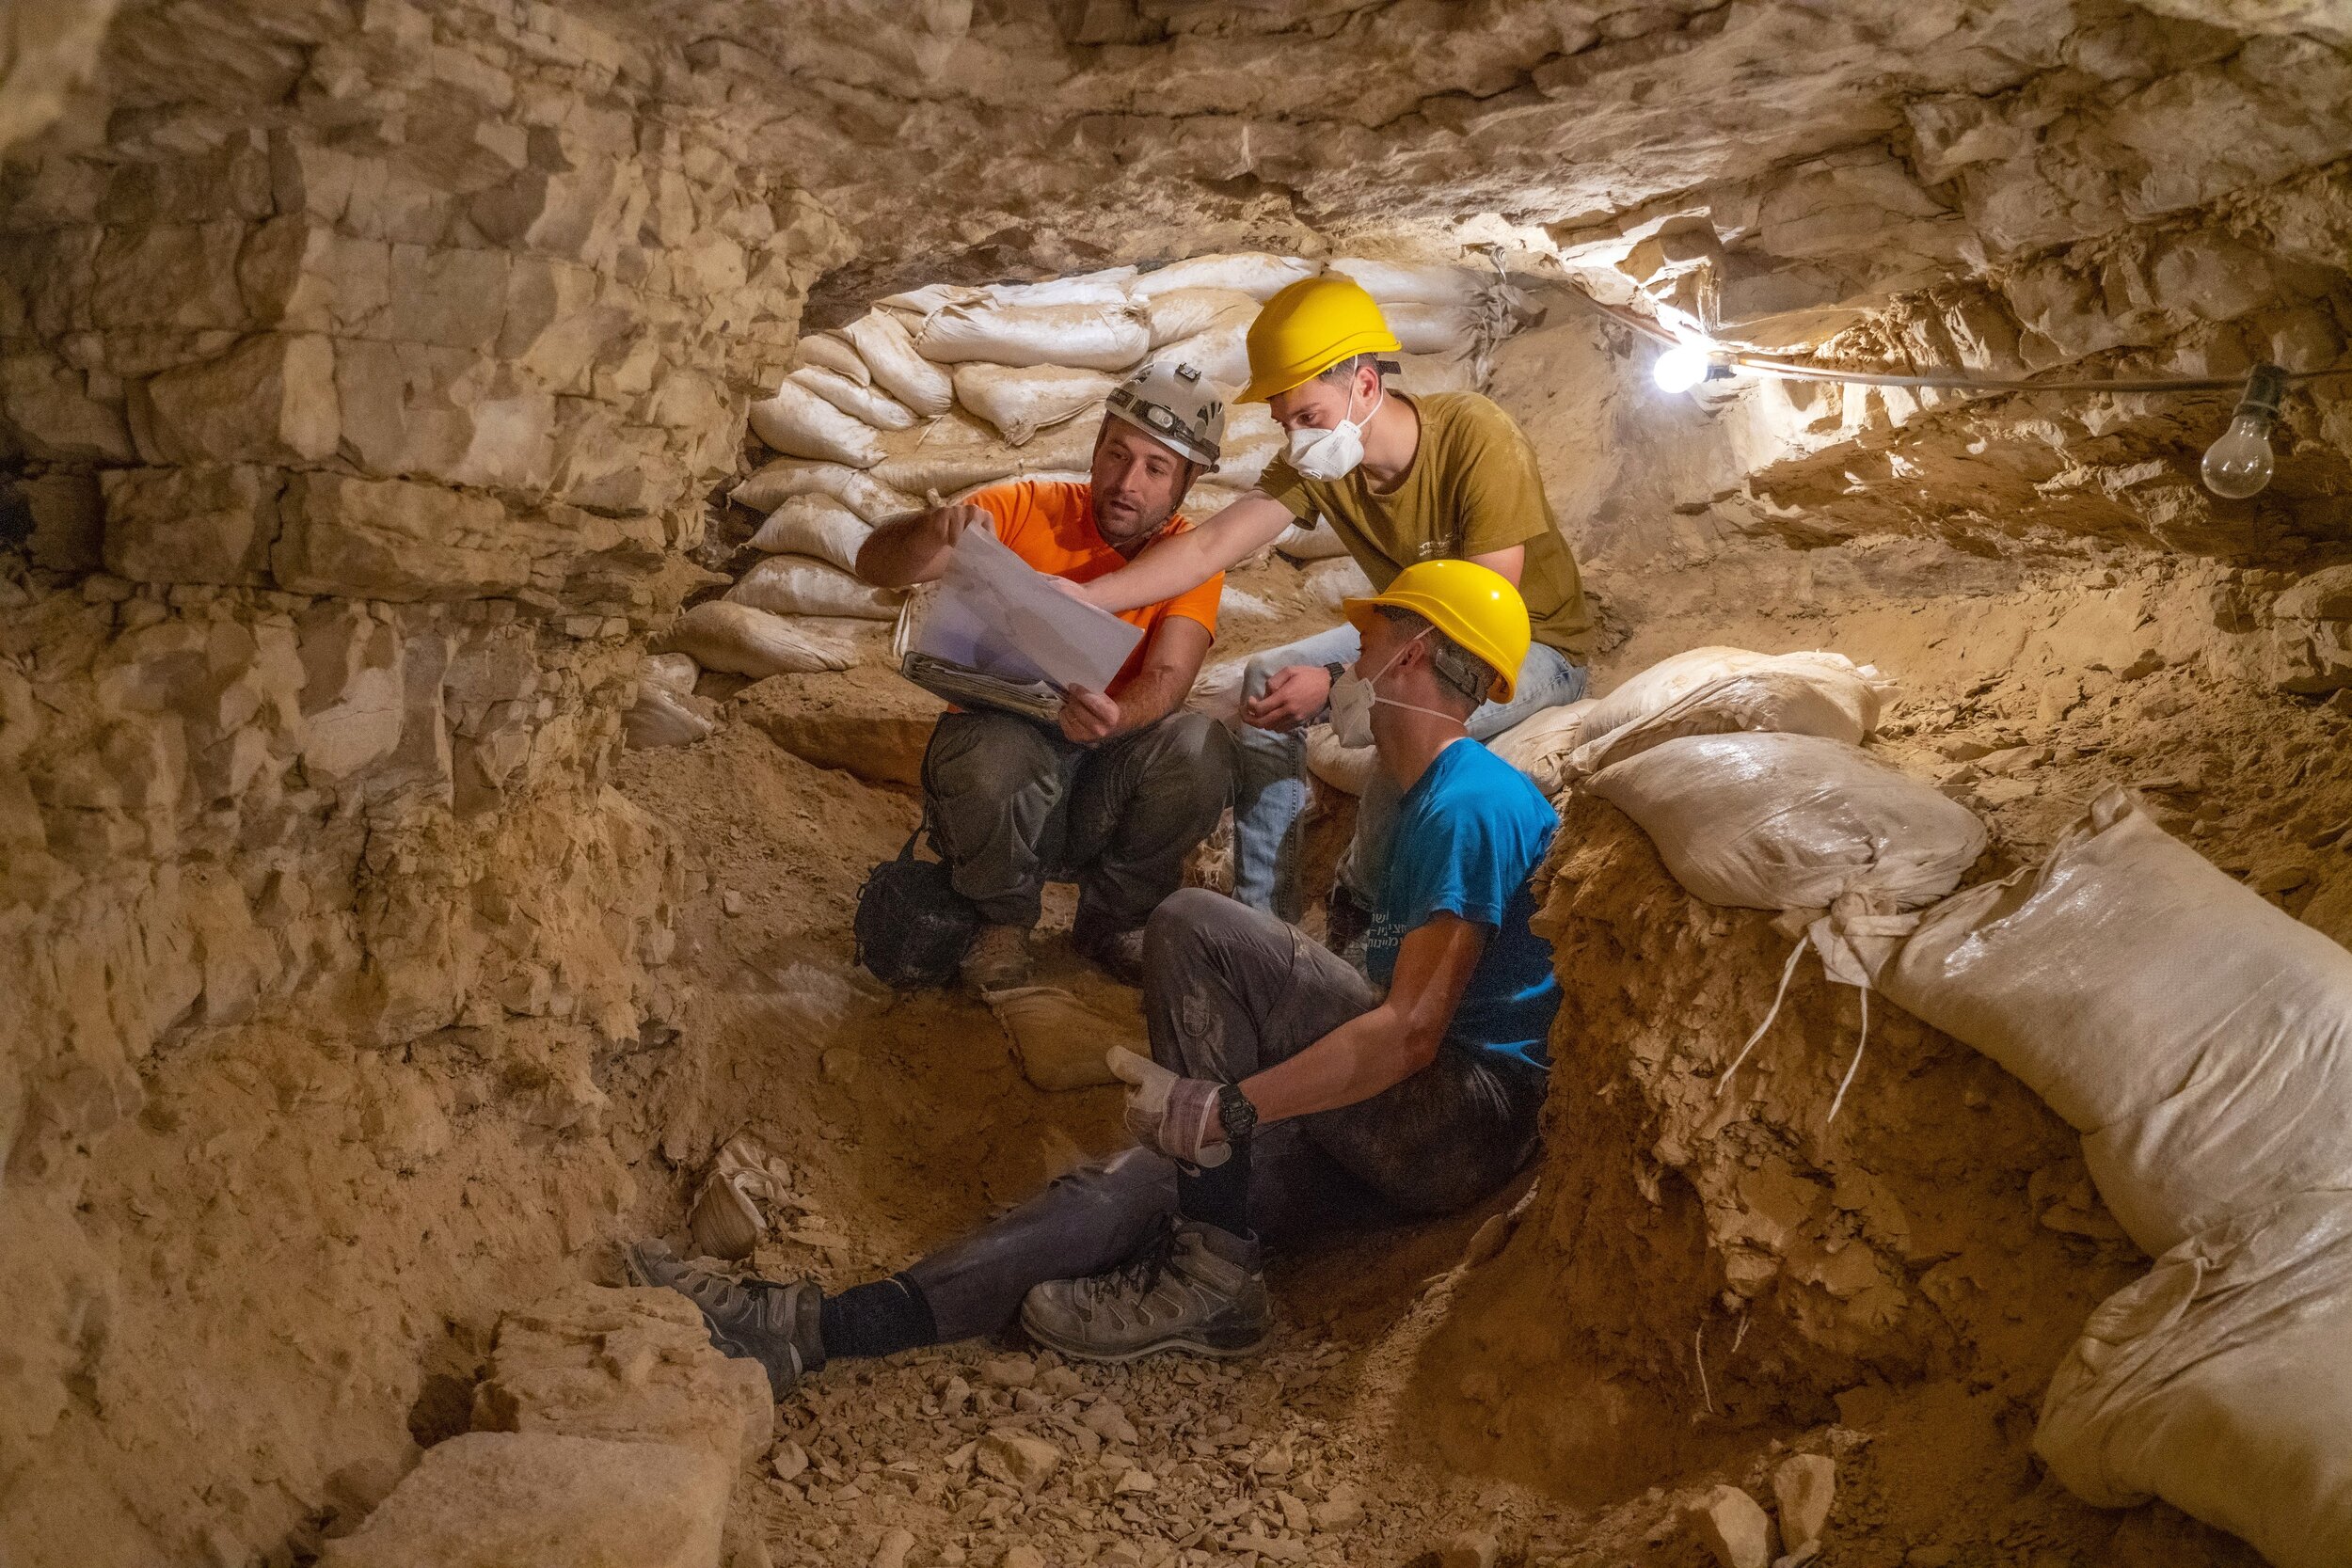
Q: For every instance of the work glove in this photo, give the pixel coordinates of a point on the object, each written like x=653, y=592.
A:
x=1169, y=1115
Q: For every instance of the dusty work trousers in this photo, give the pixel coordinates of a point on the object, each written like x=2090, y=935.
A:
x=1228, y=991
x=1014, y=805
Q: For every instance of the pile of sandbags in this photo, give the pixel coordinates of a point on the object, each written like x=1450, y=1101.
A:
x=667, y=712
x=1727, y=691
x=941, y=391
x=2200, y=1039
x=1810, y=826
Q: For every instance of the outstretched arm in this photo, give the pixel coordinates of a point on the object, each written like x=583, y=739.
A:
x=1175, y=566
x=914, y=550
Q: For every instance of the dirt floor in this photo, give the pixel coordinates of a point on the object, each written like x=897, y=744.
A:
x=1379, y=1428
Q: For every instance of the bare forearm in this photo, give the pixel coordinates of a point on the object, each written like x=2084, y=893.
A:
x=902, y=553
x=1151, y=697
x=1185, y=561
x=1369, y=1052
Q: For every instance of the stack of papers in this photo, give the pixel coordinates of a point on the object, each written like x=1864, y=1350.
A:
x=997, y=633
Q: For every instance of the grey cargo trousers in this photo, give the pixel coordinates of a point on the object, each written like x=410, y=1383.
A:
x=1228, y=991
x=1014, y=804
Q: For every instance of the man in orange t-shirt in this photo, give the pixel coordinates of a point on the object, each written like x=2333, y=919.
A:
x=1119, y=792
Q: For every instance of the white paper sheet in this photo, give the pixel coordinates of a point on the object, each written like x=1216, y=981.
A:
x=995, y=613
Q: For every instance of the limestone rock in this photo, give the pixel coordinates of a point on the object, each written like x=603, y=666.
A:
x=1734, y=1527
x=269, y=400
x=1804, y=1486
x=1017, y=1458
x=388, y=539
x=191, y=525
x=635, y=1365
x=491, y=1500
x=869, y=720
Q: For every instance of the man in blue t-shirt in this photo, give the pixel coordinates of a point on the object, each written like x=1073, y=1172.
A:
x=1289, y=1094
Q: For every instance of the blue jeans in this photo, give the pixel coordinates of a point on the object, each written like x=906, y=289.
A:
x=1271, y=793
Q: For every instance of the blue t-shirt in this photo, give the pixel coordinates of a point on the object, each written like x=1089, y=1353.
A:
x=1468, y=833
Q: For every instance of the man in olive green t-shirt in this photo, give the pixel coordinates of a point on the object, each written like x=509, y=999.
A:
x=1401, y=479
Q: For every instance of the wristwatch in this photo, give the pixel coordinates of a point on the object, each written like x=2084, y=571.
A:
x=1239, y=1116
x=1335, y=669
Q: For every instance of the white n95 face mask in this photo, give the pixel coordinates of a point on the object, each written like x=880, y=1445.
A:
x=1333, y=454
x=1353, y=698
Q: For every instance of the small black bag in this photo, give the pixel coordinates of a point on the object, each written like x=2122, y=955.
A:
x=912, y=926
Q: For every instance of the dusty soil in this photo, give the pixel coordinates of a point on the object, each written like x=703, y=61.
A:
x=1548, y=1397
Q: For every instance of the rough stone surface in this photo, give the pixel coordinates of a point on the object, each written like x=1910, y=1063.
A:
x=502, y=1499
x=364, y=373
x=1804, y=1486
x=1734, y=1527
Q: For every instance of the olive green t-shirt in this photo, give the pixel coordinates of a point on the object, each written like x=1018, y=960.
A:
x=1472, y=489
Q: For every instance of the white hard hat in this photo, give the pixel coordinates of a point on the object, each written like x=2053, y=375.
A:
x=1174, y=404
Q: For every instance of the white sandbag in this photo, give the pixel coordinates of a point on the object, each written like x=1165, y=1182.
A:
x=1795, y=822
x=798, y=424
x=833, y=352
x=1253, y=440
x=1317, y=543
x=743, y=640
x=661, y=717
x=1415, y=283
x=1088, y=336
x=1805, y=699
x=1219, y=351
x=670, y=672
x=795, y=585
x=1425, y=375
x=958, y=452
x=1255, y=272
x=1048, y=476
x=869, y=405
x=815, y=526
x=1107, y=286
x=1432, y=328
x=883, y=343
x=1672, y=678
x=1792, y=821
x=1539, y=745
x=1344, y=768
x=1183, y=312
x=1216, y=690
x=2200, y=1039
x=1207, y=498
x=2222, y=1383
x=1020, y=401
x=927, y=301
x=1330, y=582
x=778, y=482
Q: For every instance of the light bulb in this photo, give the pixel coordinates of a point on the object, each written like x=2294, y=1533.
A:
x=2239, y=465
x=1680, y=369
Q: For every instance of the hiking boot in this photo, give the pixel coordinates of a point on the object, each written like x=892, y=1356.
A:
x=998, y=959
x=753, y=1320
x=1121, y=955
x=1194, y=1288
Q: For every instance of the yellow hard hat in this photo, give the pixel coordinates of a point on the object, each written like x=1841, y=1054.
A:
x=1474, y=605
x=1309, y=328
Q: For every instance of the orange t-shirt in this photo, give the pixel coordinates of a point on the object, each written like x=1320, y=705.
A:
x=1050, y=524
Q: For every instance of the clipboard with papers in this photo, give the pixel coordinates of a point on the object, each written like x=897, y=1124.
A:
x=995, y=632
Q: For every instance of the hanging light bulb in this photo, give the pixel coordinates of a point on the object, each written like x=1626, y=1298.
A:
x=2239, y=465
x=1680, y=369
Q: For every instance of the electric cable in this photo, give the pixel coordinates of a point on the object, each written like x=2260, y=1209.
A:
x=1791, y=371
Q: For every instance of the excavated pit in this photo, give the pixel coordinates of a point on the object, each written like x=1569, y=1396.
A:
x=371, y=379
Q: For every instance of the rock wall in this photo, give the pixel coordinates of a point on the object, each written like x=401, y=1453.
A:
x=364, y=364
x=361, y=372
